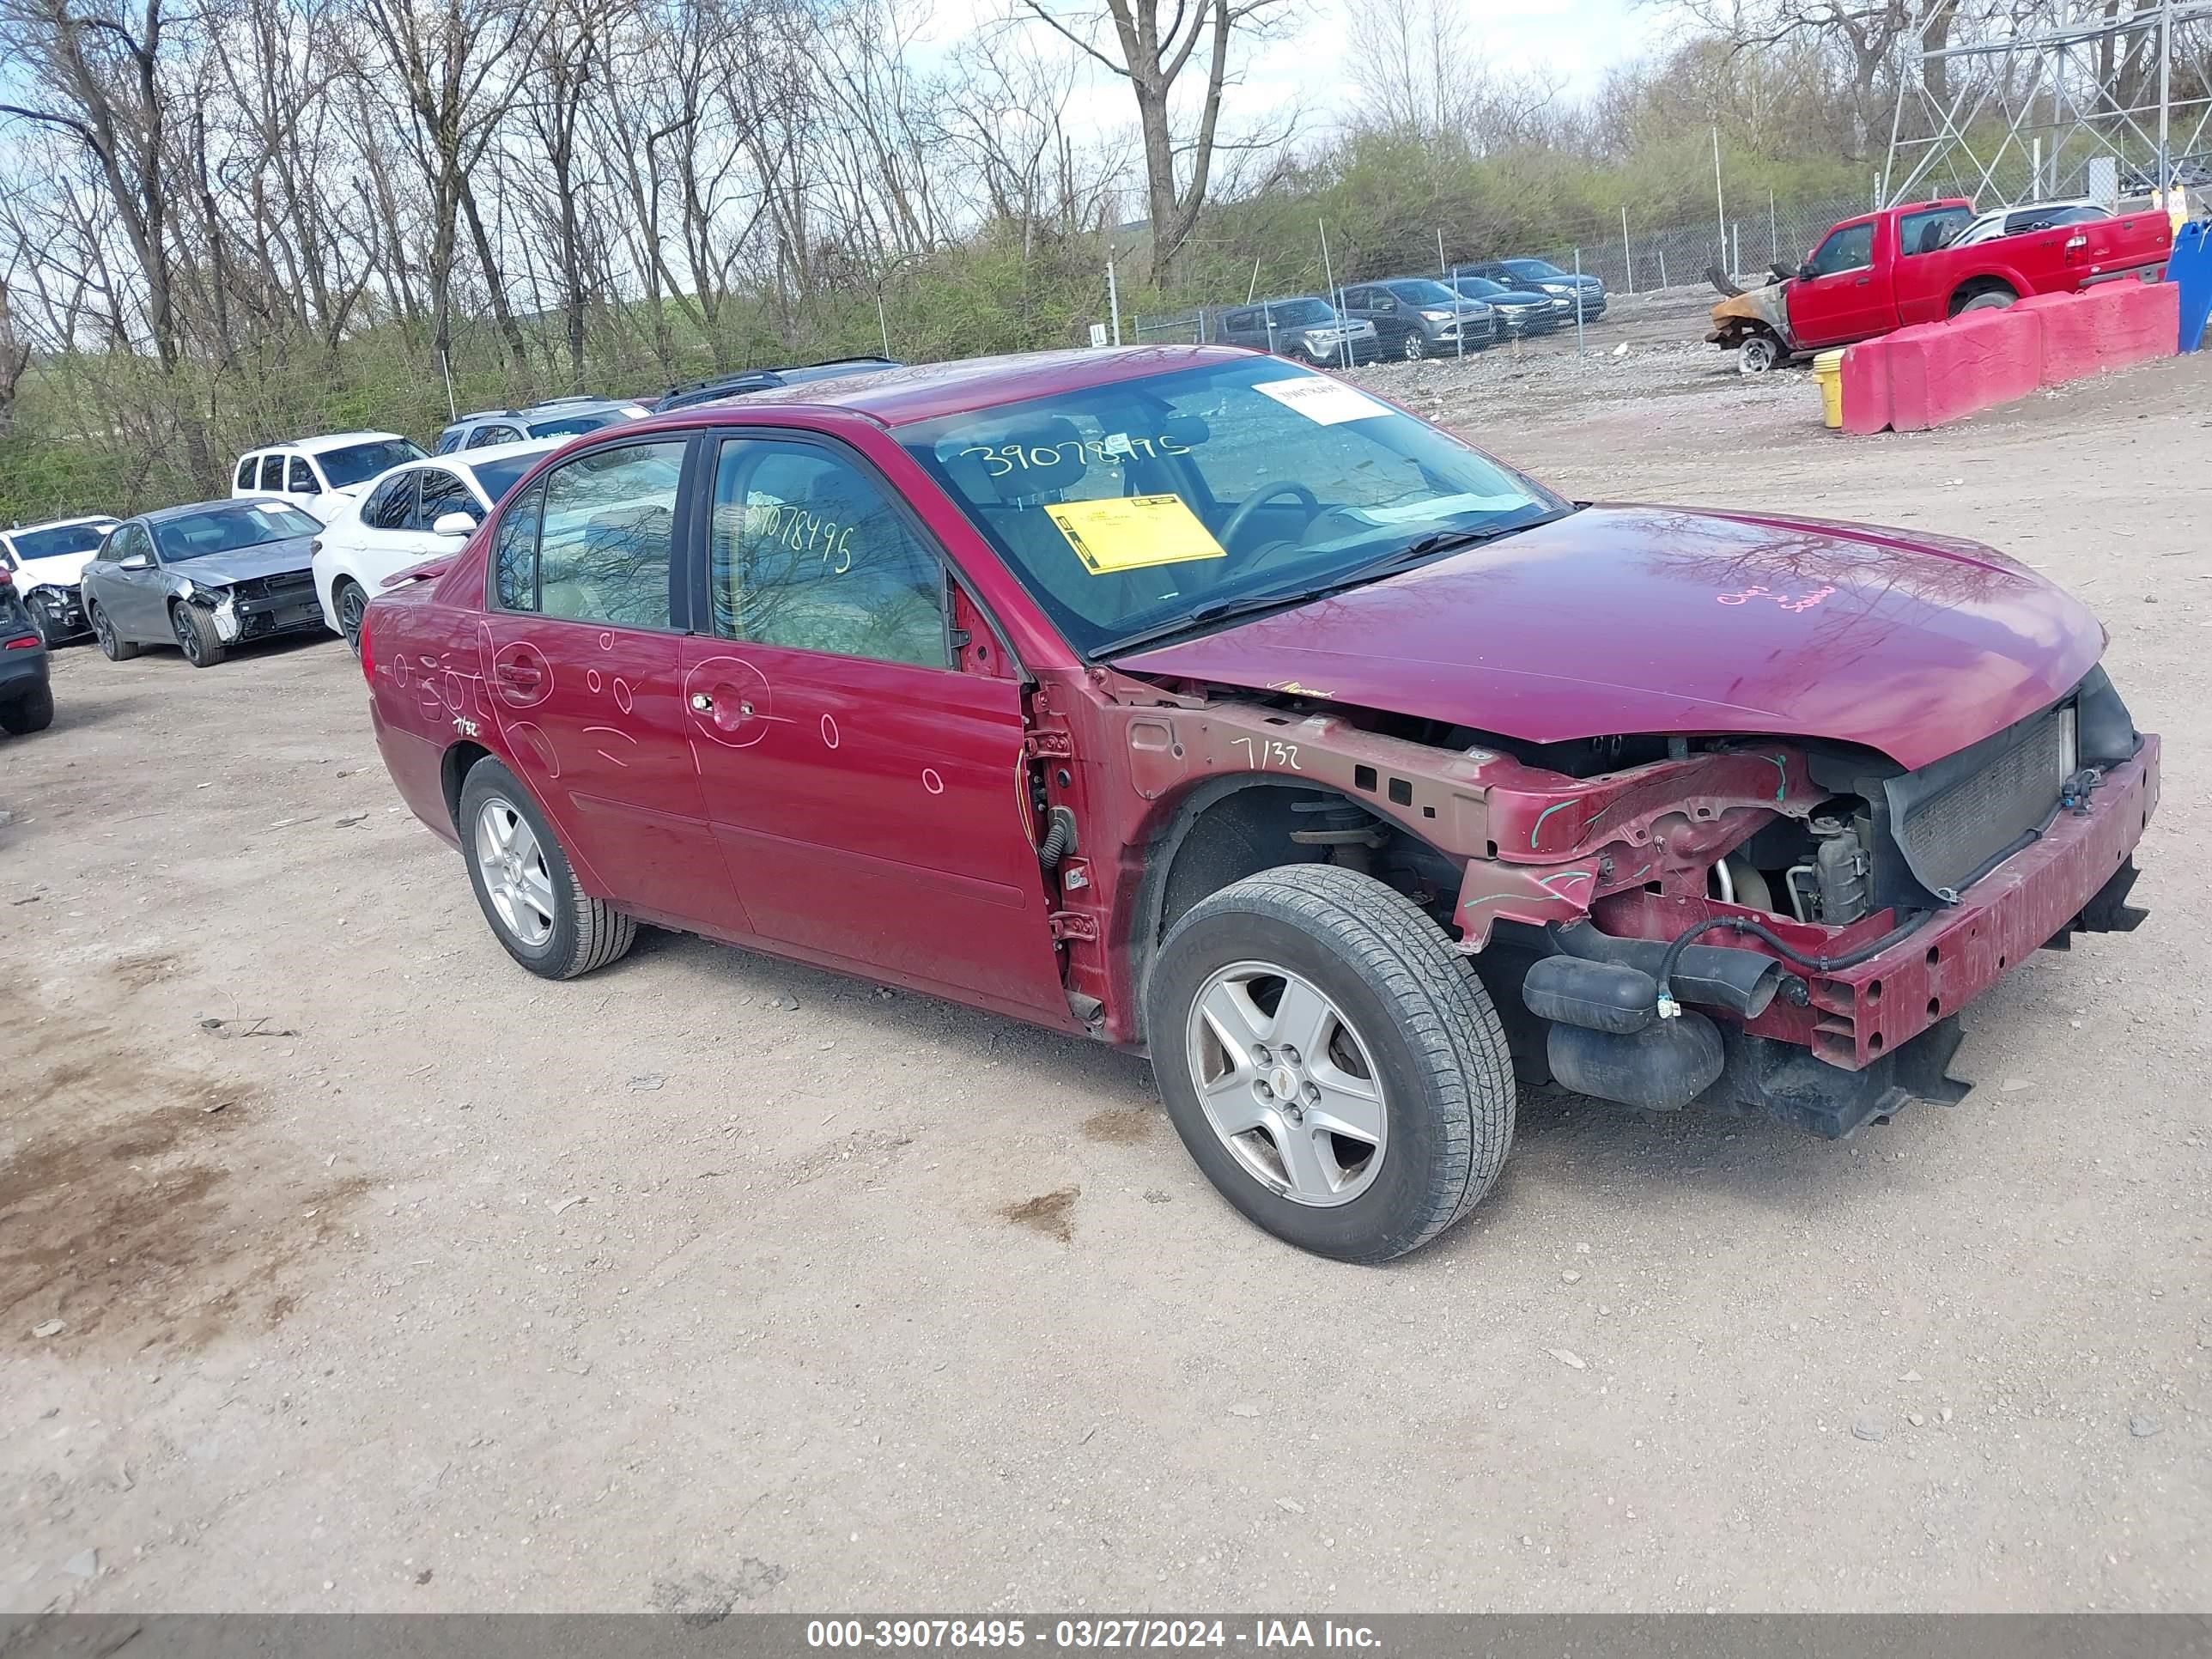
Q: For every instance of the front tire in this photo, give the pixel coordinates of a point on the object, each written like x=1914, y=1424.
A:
x=113, y=645
x=1758, y=354
x=525, y=885
x=196, y=636
x=1416, y=347
x=32, y=712
x=1330, y=1061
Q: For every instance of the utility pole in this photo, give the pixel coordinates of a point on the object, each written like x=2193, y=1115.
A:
x=1113, y=297
x=2164, y=104
x=1720, y=202
x=1627, y=254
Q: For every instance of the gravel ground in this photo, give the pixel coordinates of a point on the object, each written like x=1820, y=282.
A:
x=389, y=1278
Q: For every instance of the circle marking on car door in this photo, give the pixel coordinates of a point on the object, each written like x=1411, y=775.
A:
x=739, y=706
x=931, y=781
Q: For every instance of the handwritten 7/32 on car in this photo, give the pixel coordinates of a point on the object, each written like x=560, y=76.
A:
x=1192, y=702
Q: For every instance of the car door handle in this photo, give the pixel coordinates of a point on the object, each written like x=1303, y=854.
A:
x=522, y=675
x=1863, y=281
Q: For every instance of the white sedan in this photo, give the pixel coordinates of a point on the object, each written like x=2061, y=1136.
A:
x=408, y=516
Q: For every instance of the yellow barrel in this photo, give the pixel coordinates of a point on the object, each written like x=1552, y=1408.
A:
x=1828, y=370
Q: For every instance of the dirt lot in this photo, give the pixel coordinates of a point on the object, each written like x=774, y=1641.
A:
x=418, y=1284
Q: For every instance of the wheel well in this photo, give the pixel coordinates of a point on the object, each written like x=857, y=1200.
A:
x=453, y=772
x=1975, y=288
x=1231, y=827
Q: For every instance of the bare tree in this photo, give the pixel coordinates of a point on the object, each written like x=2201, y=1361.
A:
x=1153, y=53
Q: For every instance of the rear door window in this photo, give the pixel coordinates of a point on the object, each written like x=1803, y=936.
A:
x=272, y=474
x=391, y=505
x=243, y=478
x=607, y=535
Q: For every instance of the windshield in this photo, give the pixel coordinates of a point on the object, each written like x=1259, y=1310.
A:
x=226, y=529
x=1536, y=270
x=567, y=426
x=1423, y=293
x=1298, y=313
x=497, y=477
x=1126, y=506
x=62, y=538
x=359, y=462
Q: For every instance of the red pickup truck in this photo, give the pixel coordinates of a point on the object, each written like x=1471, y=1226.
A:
x=1883, y=270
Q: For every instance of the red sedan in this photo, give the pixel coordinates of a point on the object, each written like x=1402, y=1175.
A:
x=1200, y=703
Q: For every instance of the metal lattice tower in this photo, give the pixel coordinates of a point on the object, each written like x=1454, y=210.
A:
x=2067, y=102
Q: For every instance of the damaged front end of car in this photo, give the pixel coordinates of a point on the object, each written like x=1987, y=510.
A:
x=1786, y=926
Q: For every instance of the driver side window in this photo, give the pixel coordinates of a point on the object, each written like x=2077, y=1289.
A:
x=1851, y=248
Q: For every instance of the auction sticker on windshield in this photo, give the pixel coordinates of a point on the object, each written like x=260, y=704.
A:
x=1133, y=532
x=1321, y=399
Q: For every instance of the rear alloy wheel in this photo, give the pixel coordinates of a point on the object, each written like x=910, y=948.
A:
x=1330, y=1061
x=1758, y=354
x=113, y=645
x=32, y=712
x=196, y=636
x=351, y=603
x=1416, y=347
x=525, y=885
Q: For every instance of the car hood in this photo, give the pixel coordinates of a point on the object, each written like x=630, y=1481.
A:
x=1519, y=297
x=61, y=570
x=270, y=559
x=1621, y=619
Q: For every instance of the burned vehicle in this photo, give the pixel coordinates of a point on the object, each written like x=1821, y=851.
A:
x=1210, y=707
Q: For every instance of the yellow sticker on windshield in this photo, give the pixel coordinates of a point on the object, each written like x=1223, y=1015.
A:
x=1133, y=532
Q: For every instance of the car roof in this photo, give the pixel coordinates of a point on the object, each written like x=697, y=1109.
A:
x=330, y=440
x=58, y=524
x=161, y=514
x=898, y=397
x=484, y=452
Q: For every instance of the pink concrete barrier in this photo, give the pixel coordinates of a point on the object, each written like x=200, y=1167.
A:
x=1928, y=373
x=1866, y=386
x=2070, y=324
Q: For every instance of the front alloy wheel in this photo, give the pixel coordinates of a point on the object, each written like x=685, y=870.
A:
x=1416, y=347
x=1286, y=1083
x=1343, y=1078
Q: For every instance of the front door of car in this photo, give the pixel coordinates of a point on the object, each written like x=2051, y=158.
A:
x=1852, y=297
x=135, y=601
x=864, y=789
x=583, y=663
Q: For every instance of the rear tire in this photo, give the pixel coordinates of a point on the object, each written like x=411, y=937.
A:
x=32, y=712
x=196, y=636
x=1411, y=1056
x=1990, y=299
x=579, y=933
x=347, y=599
x=113, y=645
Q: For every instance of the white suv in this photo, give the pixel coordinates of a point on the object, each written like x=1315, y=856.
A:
x=317, y=475
x=46, y=562
x=415, y=512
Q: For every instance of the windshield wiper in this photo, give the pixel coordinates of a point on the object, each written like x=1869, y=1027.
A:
x=1400, y=558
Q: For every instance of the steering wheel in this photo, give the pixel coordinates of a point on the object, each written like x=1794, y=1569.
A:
x=1267, y=492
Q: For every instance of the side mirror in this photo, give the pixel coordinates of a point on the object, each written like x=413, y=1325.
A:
x=136, y=562
x=456, y=522
x=1808, y=270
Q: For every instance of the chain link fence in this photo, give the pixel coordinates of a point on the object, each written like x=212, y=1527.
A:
x=1670, y=256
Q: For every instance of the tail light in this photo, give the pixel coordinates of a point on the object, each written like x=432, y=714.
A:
x=367, y=651
x=28, y=643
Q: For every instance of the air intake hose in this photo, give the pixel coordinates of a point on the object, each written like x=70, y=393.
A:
x=1060, y=840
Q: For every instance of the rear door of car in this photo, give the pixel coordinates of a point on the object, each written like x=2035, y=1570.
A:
x=583, y=662
x=389, y=539
x=865, y=780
